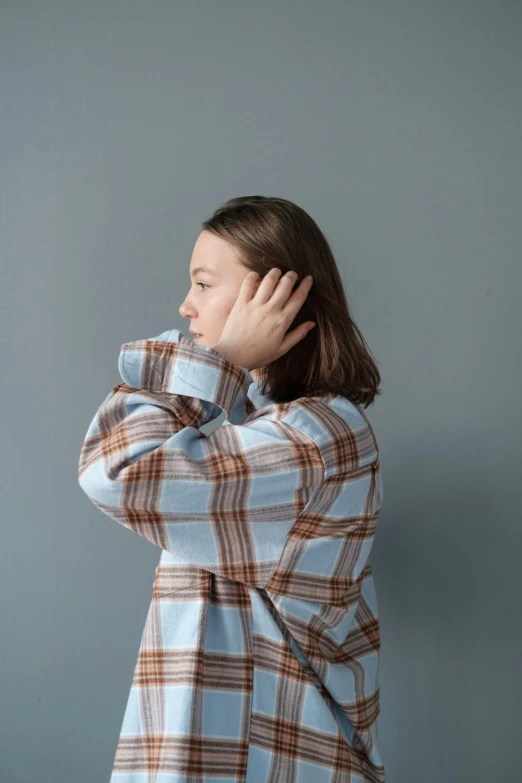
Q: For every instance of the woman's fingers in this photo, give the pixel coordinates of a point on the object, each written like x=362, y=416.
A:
x=267, y=285
x=277, y=290
x=248, y=286
x=296, y=301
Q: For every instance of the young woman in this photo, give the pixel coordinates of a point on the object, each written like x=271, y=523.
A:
x=259, y=658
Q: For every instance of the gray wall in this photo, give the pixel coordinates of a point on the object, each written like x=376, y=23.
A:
x=398, y=127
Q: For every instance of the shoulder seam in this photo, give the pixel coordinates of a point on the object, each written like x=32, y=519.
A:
x=308, y=438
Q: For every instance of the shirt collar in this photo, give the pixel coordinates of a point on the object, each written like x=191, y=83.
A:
x=255, y=395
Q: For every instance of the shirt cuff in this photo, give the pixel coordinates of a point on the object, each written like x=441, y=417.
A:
x=172, y=363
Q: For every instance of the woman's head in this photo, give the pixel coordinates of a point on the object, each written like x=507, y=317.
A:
x=259, y=233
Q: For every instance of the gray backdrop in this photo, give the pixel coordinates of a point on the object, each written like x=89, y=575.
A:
x=397, y=125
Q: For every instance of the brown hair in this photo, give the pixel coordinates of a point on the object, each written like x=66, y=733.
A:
x=333, y=358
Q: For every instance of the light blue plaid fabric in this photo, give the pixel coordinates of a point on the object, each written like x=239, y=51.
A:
x=259, y=658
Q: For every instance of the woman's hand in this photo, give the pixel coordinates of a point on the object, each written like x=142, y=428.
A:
x=254, y=334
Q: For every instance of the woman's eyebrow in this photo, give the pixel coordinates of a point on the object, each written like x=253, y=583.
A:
x=204, y=269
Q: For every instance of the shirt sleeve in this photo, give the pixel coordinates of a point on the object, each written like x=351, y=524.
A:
x=224, y=502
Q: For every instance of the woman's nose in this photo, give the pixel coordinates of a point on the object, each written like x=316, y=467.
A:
x=183, y=310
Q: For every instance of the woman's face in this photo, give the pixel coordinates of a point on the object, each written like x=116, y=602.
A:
x=213, y=292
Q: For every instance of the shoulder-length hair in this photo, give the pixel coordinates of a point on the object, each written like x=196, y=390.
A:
x=333, y=358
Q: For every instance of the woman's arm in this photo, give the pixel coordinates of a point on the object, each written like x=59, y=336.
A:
x=224, y=502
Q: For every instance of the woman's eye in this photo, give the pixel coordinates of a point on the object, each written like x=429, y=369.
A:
x=203, y=289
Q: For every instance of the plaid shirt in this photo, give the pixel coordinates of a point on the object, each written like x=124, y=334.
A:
x=259, y=658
